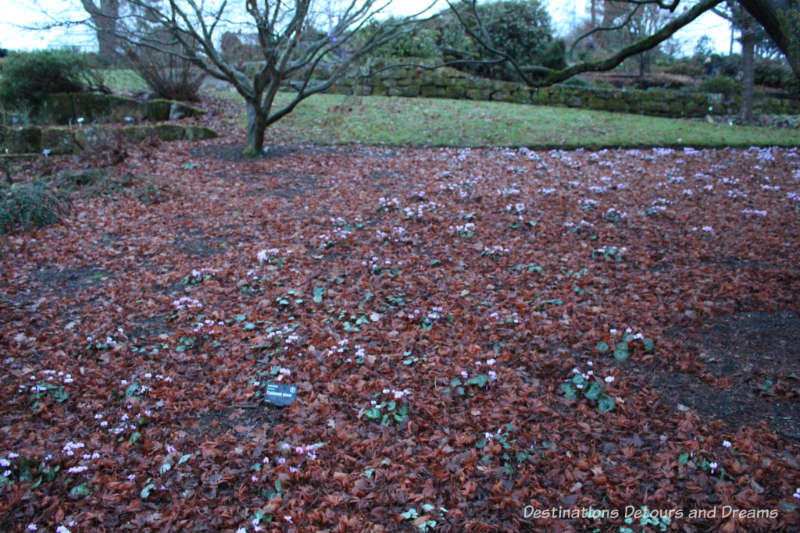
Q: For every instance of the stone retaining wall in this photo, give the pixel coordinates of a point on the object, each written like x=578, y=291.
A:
x=74, y=108
x=451, y=83
x=66, y=140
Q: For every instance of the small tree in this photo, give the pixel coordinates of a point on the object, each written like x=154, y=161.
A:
x=308, y=66
x=779, y=18
x=166, y=73
x=522, y=28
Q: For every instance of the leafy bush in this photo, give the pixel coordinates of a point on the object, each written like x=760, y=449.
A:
x=30, y=205
x=722, y=85
x=521, y=29
x=773, y=73
x=166, y=74
x=29, y=76
x=418, y=42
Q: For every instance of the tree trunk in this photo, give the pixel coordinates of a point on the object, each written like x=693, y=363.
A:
x=781, y=20
x=748, y=52
x=256, y=126
x=104, y=19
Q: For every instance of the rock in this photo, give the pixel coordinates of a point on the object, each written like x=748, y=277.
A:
x=27, y=139
x=180, y=110
x=157, y=110
x=58, y=141
x=198, y=132
x=94, y=137
x=169, y=132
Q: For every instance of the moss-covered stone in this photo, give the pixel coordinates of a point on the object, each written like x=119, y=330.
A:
x=94, y=137
x=199, y=133
x=138, y=133
x=26, y=139
x=169, y=132
x=157, y=110
x=75, y=108
x=59, y=140
x=179, y=110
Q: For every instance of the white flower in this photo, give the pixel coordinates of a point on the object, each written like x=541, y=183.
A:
x=609, y=379
x=62, y=529
x=78, y=469
x=31, y=527
x=726, y=443
x=713, y=466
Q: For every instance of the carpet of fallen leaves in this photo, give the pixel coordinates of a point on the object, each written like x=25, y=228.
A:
x=432, y=306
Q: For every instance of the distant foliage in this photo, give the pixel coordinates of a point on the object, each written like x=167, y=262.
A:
x=420, y=41
x=522, y=29
x=29, y=76
x=774, y=73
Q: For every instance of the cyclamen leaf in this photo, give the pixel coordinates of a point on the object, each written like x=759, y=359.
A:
x=621, y=351
x=605, y=403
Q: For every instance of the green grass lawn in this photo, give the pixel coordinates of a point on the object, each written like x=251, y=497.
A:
x=375, y=120
x=382, y=120
x=123, y=80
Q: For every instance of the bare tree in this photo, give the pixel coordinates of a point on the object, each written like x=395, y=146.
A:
x=308, y=66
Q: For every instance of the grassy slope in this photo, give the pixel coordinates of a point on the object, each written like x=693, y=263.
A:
x=337, y=119
x=333, y=119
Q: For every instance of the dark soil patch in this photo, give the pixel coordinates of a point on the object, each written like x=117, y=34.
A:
x=752, y=371
x=197, y=247
x=234, y=152
x=71, y=279
x=241, y=420
x=198, y=244
x=148, y=328
x=293, y=186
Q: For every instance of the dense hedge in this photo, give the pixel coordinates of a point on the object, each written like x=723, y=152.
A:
x=28, y=77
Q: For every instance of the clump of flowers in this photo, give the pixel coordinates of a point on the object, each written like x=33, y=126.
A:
x=589, y=386
x=266, y=256
x=186, y=302
x=387, y=204
x=391, y=411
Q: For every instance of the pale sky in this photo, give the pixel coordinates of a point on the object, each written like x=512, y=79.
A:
x=20, y=13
